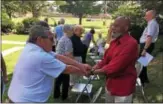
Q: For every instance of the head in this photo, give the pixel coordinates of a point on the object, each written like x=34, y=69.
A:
x=120, y=26
x=149, y=15
x=68, y=30
x=100, y=35
x=46, y=20
x=92, y=31
x=41, y=36
x=59, y=23
x=78, y=30
x=62, y=21
x=43, y=23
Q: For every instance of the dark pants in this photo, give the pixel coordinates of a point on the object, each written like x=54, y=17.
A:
x=63, y=79
x=84, y=56
x=143, y=75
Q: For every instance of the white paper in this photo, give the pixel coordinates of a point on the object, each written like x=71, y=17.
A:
x=145, y=60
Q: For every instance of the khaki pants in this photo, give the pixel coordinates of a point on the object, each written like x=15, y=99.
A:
x=117, y=99
x=75, y=78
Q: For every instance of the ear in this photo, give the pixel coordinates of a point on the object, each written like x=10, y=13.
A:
x=39, y=40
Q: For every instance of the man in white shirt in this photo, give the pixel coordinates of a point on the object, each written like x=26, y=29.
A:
x=148, y=39
x=37, y=67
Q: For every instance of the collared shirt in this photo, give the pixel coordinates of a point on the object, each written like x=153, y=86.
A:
x=58, y=31
x=87, y=39
x=78, y=46
x=119, y=65
x=34, y=75
x=152, y=30
x=64, y=46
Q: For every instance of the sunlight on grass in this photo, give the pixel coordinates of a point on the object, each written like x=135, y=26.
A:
x=12, y=37
x=11, y=61
x=8, y=46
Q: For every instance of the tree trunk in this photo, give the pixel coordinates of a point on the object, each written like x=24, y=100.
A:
x=35, y=13
x=80, y=19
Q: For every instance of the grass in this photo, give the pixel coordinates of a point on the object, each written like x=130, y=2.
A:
x=14, y=37
x=7, y=46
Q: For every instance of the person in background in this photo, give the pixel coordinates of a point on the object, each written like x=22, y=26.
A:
x=100, y=44
x=46, y=20
x=58, y=30
x=4, y=77
x=118, y=64
x=148, y=39
x=87, y=40
x=37, y=67
x=78, y=49
x=64, y=47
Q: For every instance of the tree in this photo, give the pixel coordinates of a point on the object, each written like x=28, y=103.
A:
x=10, y=7
x=35, y=7
x=80, y=8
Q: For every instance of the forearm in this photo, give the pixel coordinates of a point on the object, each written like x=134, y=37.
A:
x=70, y=69
x=148, y=42
x=68, y=60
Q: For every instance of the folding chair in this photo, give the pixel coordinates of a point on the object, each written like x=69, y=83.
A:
x=139, y=68
x=83, y=88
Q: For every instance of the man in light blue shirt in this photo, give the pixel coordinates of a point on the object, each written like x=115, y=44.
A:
x=58, y=30
x=148, y=39
x=37, y=67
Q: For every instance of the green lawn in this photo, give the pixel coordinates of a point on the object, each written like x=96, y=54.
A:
x=14, y=37
x=7, y=46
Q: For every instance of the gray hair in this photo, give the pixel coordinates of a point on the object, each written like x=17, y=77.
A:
x=62, y=21
x=37, y=31
x=153, y=12
x=67, y=27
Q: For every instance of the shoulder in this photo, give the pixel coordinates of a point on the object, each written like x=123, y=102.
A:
x=132, y=41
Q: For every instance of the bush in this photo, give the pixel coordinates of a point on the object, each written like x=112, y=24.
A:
x=6, y=25
x=23, y=28
x=20, y=28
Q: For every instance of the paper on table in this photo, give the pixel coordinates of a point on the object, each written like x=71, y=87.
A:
x=145, y=60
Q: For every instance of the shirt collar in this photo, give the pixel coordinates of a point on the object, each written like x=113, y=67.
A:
x=151, y=20
x=121, y=39
x=34, y=46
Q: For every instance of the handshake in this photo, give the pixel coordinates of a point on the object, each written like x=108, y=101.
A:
x=83, y=70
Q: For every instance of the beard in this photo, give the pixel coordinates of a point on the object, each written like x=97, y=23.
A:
x=115, y=35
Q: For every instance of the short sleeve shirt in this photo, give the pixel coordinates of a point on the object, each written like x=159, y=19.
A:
x=87, y=39
x=152, y=30
x=64, y=46
x=34, y=75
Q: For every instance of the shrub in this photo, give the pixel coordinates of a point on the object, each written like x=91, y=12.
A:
x=6, y=25
x=20, y=28
x=23, y=28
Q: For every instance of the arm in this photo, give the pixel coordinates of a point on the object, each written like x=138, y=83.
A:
x=72, y=70
x=72, y=62
x=3, y=68
x=150, y=33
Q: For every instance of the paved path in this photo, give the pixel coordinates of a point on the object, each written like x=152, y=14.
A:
x=12, y=42
x=11, y=50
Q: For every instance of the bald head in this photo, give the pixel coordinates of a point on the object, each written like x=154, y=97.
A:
x=125, y=21
x=78, y=30
x=120, y=26
x=149, y=15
